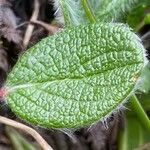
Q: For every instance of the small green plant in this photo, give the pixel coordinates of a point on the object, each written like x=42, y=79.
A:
x=83, y=73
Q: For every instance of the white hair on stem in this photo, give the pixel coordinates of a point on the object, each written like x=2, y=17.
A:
x=58, y=11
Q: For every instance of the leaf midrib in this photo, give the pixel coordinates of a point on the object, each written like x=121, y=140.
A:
x=12, y=88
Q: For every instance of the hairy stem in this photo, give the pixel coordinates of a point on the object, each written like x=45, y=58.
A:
x=88, y=11
x=65, y=13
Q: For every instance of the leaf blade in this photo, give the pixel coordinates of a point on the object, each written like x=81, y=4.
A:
x=72, y=78
x=113, y=10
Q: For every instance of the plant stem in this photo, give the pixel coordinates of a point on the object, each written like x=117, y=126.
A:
x=88, y=11
x=139, y=26
x=136, y=106
x=65, y=13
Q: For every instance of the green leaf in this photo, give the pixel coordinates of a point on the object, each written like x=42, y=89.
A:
x=97, y=6
x=113, y=10
x=147, y=19
x=132, y=136
x=116, y=10
x=136, y=17
x=144, y=85
x=145, y=100
x=72, y=11
x=89, y=11
x=75, y=77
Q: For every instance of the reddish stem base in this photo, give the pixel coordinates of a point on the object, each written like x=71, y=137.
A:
x=2, y=92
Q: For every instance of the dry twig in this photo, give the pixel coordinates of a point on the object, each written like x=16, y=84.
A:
x=30, y=27
x=51, y=28
x=32, y=132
